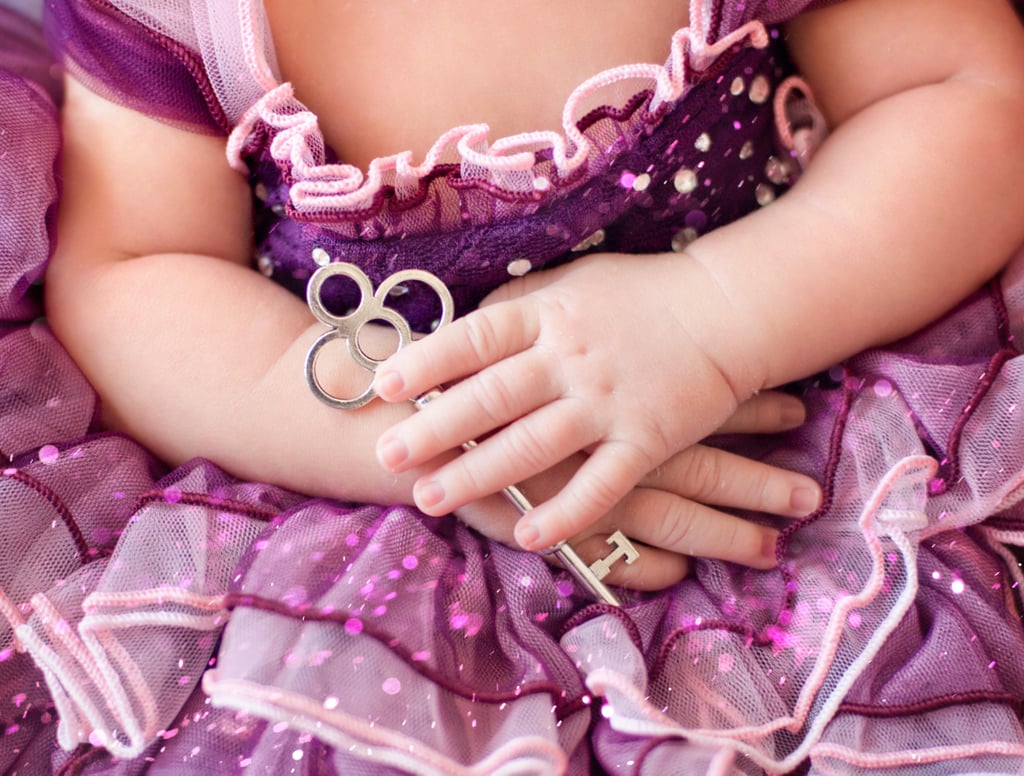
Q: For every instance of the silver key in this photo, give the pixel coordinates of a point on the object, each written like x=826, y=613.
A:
x=371, y=307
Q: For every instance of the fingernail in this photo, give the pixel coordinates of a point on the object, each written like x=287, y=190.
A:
x=527, y=535
x=804, y=500
x=793, y=412
x=428, y=494
x=392, y=452
x=768, y=546
x=388, y=383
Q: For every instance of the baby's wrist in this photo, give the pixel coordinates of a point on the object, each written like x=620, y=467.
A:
x=726, y=332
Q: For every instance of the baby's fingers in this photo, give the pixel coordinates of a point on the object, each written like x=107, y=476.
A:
x=465, y=347
x=717, y=477
x=530, y=446
x=687, y=527
x=470, y=409
x=766, y=413
x=666, y=529
x=601, y=482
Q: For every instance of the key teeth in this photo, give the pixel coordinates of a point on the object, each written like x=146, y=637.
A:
x=623, y=548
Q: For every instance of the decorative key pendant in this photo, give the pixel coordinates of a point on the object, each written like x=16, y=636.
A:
x=371, y=307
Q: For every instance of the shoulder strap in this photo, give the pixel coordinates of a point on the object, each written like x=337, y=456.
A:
x=133, y=62
x=720, y=17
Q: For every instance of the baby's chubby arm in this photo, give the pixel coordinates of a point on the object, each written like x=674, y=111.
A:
x=912, y=203
x=194, y=355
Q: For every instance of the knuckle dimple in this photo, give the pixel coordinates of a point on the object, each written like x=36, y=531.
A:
x=494, y=396
x=481, y=337
x=703, y=474
x=762, y=490
x=464, y=480
x=530, y=448
x=594, y=496
x=678, y=527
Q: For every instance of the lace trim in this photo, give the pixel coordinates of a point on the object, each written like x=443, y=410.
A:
x=509, y=163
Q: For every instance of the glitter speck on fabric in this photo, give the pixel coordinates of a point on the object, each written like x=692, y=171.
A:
x=48, y=454
x=391, y=686
x=353, y=626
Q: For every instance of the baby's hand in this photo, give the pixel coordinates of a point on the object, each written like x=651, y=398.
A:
x=594, y=358
x=669, y=516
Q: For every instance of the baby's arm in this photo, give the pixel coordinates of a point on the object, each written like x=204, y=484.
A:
x=194, y=355
x=913, y=202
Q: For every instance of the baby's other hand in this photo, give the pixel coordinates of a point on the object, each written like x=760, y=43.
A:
x=675, y=513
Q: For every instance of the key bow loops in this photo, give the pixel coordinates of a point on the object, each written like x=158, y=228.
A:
x=371, y=308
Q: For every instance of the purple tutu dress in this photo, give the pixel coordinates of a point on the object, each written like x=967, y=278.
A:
x=185, y=622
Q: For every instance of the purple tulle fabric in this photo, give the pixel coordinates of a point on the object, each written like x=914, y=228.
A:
x=185, y=622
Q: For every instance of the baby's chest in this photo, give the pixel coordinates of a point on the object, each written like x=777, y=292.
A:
x=384, y=77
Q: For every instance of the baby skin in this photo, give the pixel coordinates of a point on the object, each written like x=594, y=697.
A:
x=567, y=404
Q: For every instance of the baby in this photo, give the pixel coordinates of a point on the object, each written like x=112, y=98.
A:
x=639, y=254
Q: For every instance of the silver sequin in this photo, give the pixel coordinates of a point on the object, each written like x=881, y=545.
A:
x=265, y=264
x=585, y=244
x=685, y=180
x=321, y=257
x=747, y=150
x=703, y=143
x=683, y=238
x=765, y=194
x=519, y=267
x=776, y=170
x=760, y=89
x=641, y=182
x=737, y=86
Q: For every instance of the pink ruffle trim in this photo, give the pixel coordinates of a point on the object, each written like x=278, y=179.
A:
x=509, y=163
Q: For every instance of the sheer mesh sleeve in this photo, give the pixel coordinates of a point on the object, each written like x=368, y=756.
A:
x=133, y=64
x=720, y=17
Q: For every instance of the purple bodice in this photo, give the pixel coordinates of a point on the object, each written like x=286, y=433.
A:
x=661, y=178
